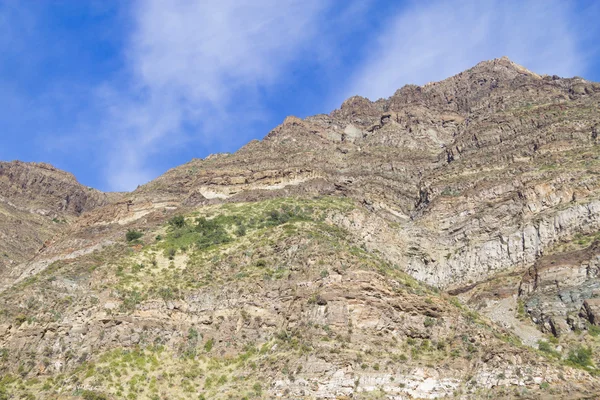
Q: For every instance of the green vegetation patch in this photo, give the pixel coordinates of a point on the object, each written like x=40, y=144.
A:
x=580, y=357
x=133, y=235
x=235, y=221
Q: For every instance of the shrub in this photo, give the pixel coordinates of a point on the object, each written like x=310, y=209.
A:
x=211, y=233
x=521, y=313
x=209, y=345
x=132, y=235
x=278, y=218
x=581, y=356
x=177, y=221
x=166, y=293
x=257, y=387
x=89, y=395
x=130, y=300
x=170, y=253
x=3, y=354
x=593, y=330
x=545, y=347
x=241, y=230
x=192, y=334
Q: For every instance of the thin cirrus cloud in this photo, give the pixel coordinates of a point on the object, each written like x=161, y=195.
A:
x=199, y=65
x=429, y=41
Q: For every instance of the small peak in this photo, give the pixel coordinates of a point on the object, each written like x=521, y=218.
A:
x=35, y=166
x=46, y=166
x=497, y=64
x=504, y=60
x=353, y=104
x=289, y=122
x=215, y=156
x=354, y=101
x=292, y=120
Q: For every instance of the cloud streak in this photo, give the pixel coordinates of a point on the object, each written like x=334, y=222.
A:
x=195, y=68
x=434, y=40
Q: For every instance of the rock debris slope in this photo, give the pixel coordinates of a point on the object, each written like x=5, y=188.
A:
x=442, y=243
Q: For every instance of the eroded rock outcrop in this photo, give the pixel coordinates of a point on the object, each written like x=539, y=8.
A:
x=37, y=203
x=560, y=288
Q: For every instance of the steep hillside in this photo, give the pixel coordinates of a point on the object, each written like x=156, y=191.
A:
x=494, y=149
x=37, y=202
x=258, y=299
x=439, y=243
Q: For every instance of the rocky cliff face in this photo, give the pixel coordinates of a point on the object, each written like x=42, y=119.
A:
x=451, y=162
x=557, y=286
x=37, y=203
x=40, y=188
x=327, y=260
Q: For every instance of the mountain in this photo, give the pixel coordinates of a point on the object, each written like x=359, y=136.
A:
x=37, y=201
x=441, y=243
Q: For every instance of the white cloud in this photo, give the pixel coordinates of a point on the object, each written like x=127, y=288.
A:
x=199, y=64
x=430, y=41
x=203, y=50
x=196, y=71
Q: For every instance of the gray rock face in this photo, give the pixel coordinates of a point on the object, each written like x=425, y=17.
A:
x=558, y=287
x=41, y=188
x=475, y=262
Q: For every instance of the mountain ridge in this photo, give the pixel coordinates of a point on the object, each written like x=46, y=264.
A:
x=420, y=246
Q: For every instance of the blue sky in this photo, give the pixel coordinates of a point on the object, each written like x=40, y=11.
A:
x=117, y=92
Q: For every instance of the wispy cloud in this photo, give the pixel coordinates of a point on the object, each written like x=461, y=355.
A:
x=195, y=68
x=429, y=41
x=128, y=89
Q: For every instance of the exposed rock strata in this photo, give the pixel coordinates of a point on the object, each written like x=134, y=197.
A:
x=470, y=185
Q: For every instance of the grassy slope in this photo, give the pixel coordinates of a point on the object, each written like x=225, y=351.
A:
x=248, y=251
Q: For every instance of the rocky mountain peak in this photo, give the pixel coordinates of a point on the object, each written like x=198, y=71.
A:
x=503, y=68
x=418, y=246
x=458, y=93
x=44, y=187
x=37, y=202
